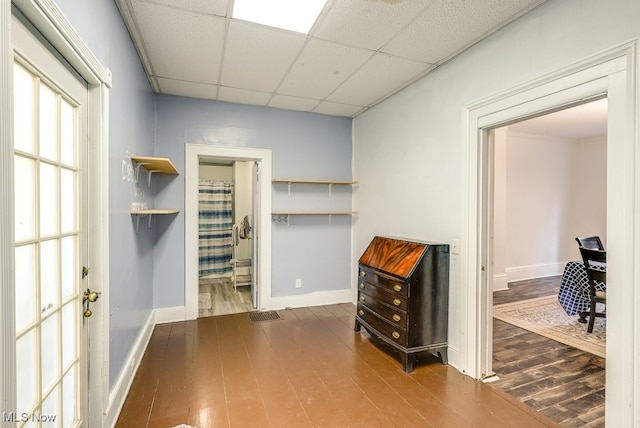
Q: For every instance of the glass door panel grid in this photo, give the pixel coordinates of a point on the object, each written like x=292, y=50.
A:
x=47, y=251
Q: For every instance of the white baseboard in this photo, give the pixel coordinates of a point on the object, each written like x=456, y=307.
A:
x=317, y=298
x=130, y=367
x=500, y=282
x=534, y=271
x=165, y=315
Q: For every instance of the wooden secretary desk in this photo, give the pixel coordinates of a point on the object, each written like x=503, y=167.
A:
x=403, y=296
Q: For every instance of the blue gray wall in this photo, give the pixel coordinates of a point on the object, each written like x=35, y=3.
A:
x=304, y=145
x=130, y=132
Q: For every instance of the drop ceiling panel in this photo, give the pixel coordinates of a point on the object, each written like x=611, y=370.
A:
x=293, y=103
x=243, y=96
x=335, y=109
x=378, y=78
x=366, y=23
x=181, y=45
x=257, y=57
x=449, y=26
x=187, y=89
x=215, y=7
x=321, y=67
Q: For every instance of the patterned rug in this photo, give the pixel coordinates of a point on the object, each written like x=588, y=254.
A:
x=545, y=316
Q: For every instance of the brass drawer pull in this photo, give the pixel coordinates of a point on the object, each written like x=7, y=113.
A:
x=397, y=302
x=396, y=318
x=397, y=287
x=395, y=335
x=361, y=312
x=363, y=273
x=362, y=285
x=362, y=298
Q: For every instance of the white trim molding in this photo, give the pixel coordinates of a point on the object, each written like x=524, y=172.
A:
x=7, y=287
x=612, y=74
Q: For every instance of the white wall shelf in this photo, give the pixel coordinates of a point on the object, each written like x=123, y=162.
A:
x=286, y=215
x=330, y=183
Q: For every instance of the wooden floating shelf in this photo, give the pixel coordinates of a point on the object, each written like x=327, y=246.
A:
x=154, y=165
x=151, y=213
x=155, y=212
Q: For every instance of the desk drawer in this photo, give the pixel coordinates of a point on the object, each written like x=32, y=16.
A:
x=381, y=280
x=393, y=333
x=394, y=316
x=370, y=292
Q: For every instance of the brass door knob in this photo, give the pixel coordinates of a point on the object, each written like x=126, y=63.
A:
x=91, y=296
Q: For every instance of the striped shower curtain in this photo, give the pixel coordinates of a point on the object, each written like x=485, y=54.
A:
x=215, y=224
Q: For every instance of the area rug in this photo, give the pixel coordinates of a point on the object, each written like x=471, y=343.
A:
x=545, y=316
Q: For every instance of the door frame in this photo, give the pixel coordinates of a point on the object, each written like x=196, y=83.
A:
x=612, y=73
x=50, y=21
x=193, y=153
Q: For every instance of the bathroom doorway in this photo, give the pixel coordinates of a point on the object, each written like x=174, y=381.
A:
x=226, y=283
x=249, y=173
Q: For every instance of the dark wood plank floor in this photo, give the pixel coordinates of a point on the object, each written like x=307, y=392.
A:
x=562, y=382
x=308, y=369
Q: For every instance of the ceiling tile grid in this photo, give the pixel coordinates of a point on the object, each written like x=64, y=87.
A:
x=257, y=57
x=357, y=53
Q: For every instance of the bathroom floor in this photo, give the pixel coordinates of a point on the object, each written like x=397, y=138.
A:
x=217, y=297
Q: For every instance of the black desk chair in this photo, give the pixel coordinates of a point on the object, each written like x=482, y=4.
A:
x=591, y=242
x=595, y=262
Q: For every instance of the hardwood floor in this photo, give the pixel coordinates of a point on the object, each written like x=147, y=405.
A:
x=307, y=369
x=562, y=382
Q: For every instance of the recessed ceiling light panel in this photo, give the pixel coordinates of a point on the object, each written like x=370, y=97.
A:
x=293, y=15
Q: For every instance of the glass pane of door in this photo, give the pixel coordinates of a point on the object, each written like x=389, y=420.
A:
x=48, y=252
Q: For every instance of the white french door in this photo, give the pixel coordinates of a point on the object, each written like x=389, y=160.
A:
x=50, y=117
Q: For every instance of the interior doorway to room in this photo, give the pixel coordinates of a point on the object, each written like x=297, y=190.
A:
x=548, y=185
x=261, y=160
x=226, y=244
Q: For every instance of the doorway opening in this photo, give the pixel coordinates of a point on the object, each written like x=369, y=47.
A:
x=548, y=185
x=226, y=192
x=606, y=74
x=243, y=269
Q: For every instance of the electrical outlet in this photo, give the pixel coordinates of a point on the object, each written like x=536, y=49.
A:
x=298, y=283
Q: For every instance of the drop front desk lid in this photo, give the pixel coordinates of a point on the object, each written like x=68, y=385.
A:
x=395, y=256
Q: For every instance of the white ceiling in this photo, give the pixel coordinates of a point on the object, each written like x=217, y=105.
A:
x=575, y=123
x=357, y=53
